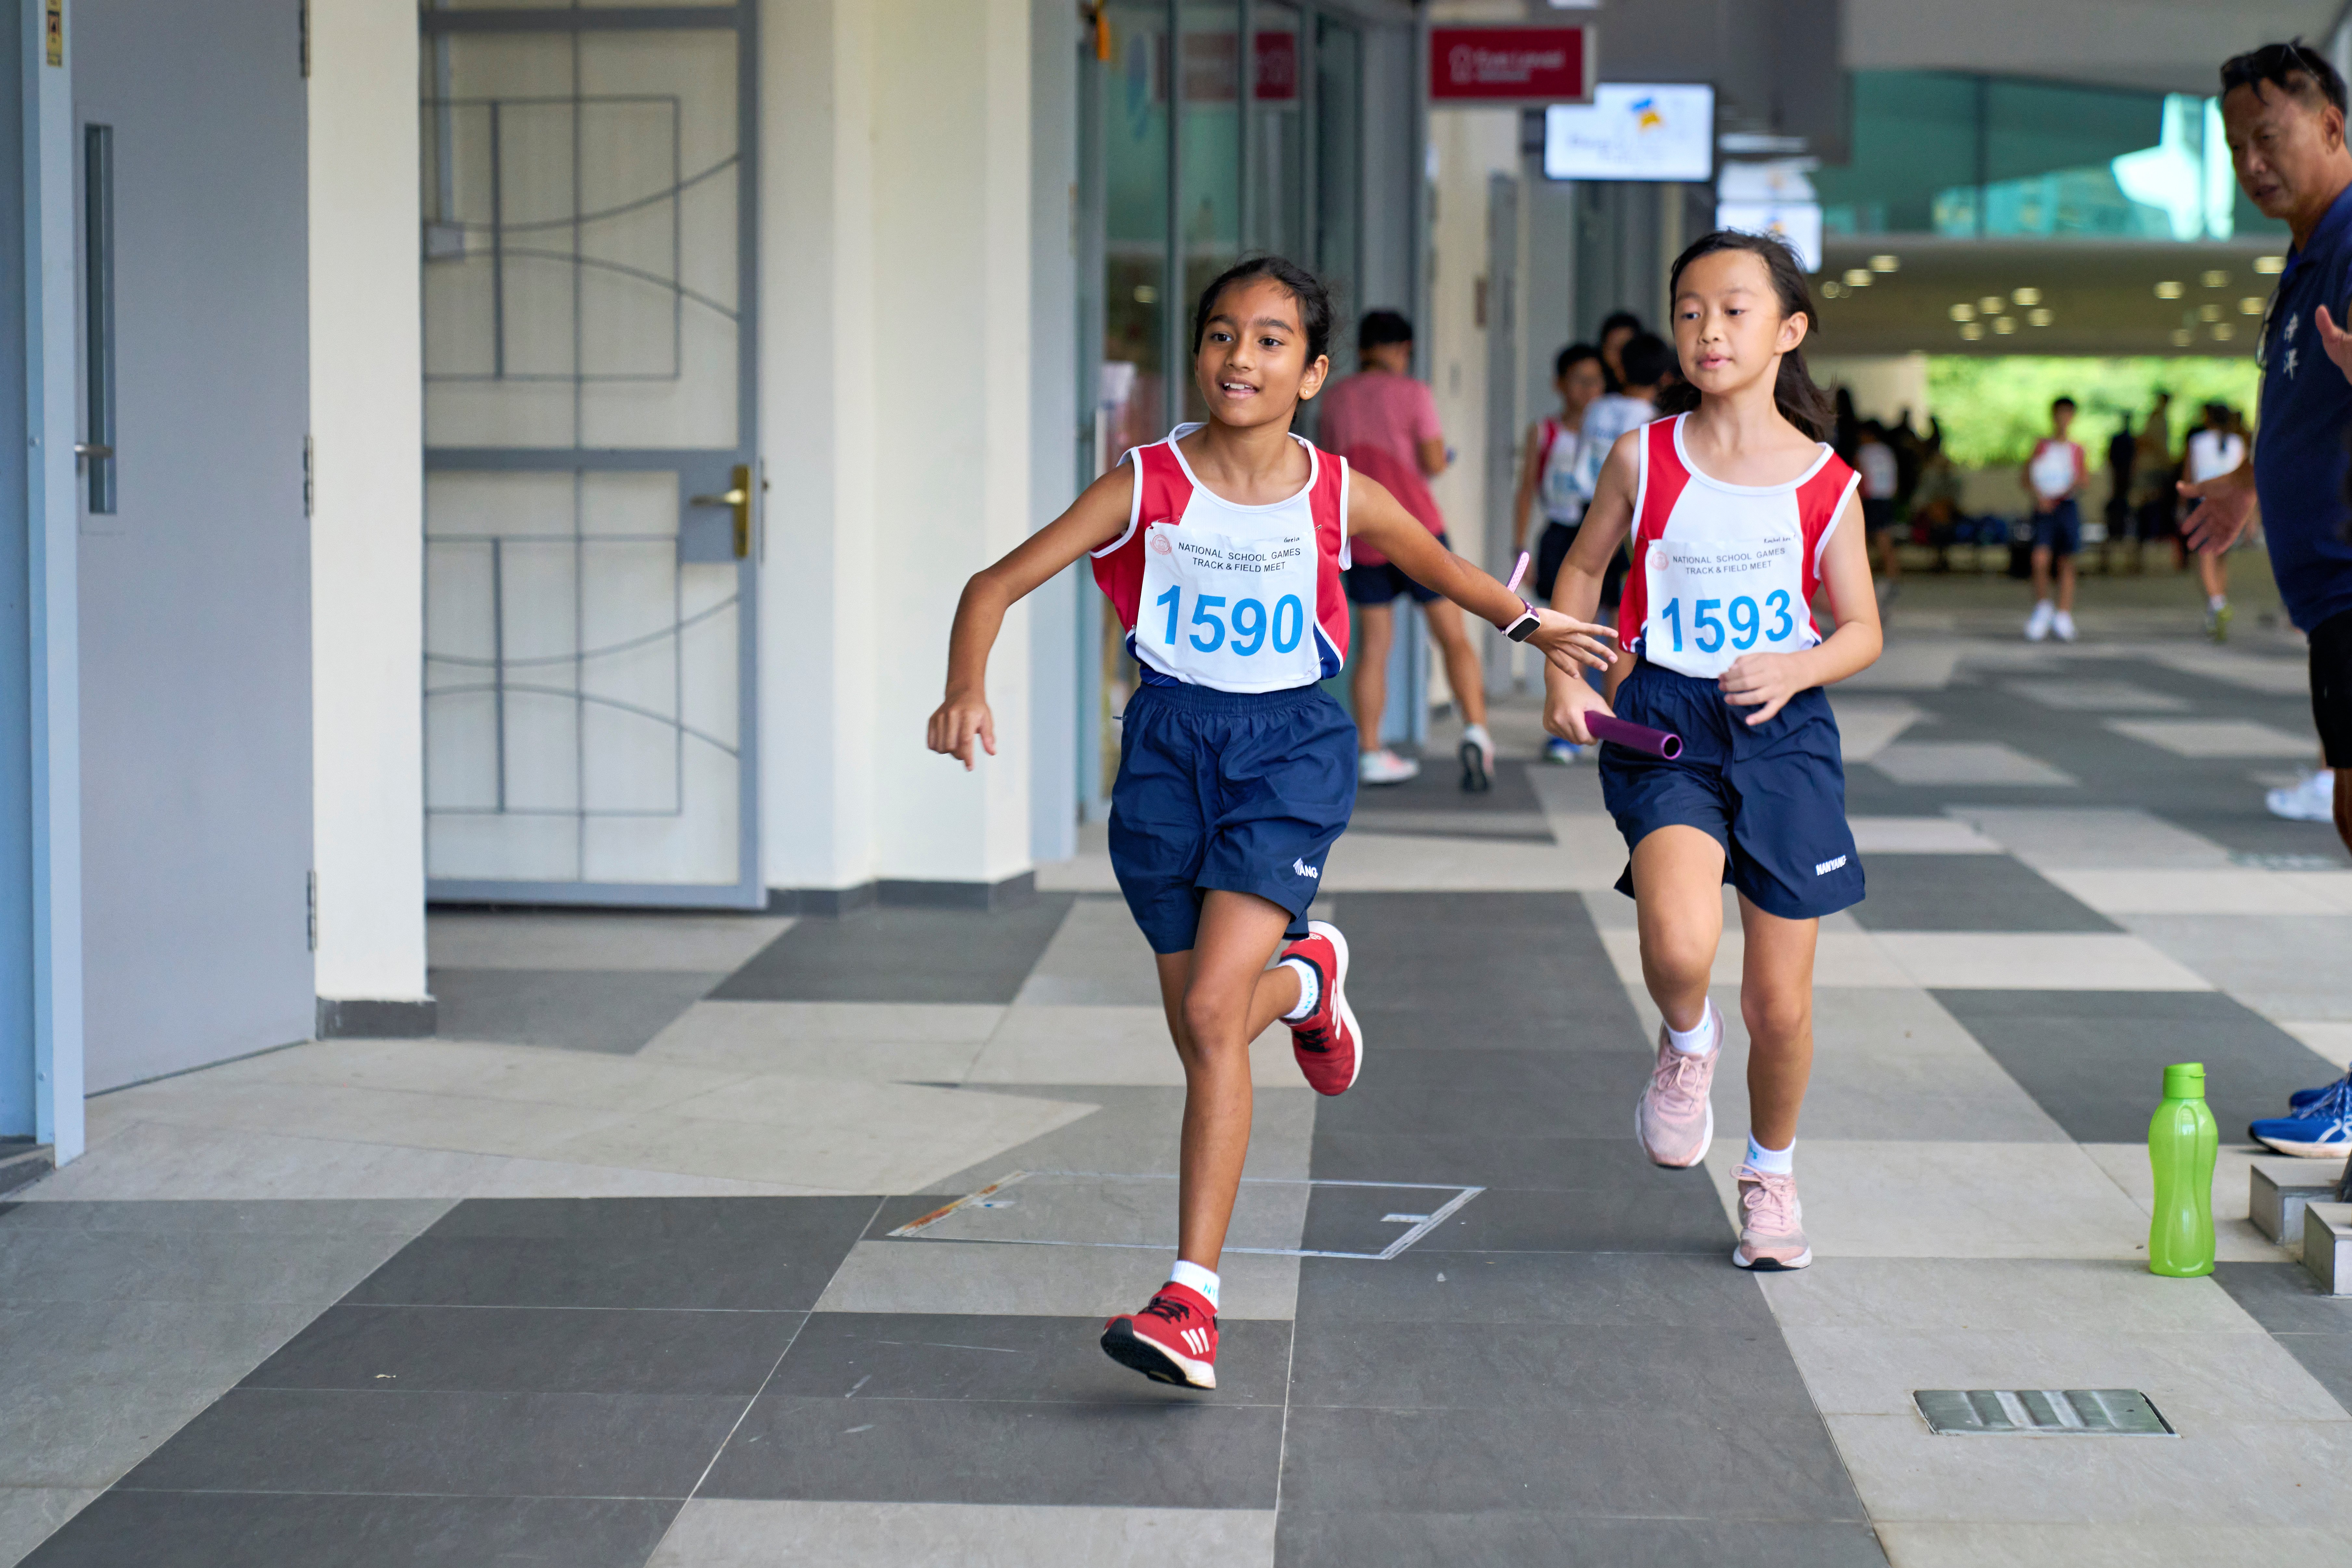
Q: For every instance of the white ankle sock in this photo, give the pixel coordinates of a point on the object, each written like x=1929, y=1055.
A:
x=2217, y=601
x=1696, y=1041
x=1772, y=1162
x=1193, y=1277
x=1310, y=991
x=1477, y=732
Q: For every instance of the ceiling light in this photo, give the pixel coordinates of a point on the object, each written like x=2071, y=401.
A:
x=1832, y=288
x=1964, y=312
x=2223, y=331
x=2038, y=318
x=1857, y=277
x=1146, y=295
x=2168, y=290
x=2208, y=312
x=1885, y=264
x=2251, y=305
x=2270, y=265
x=1990, y=305
x=1973, y=330
x=2214, y=278
x=2182, y=337
x=2027, y=296
x=2004, y=324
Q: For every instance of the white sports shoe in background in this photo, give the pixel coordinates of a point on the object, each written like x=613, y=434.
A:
x=1385, y=766
x=2037, y=625
x=2312, y=800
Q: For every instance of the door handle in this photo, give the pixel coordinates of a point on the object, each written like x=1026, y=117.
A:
x=98, y=449
x=737, y=497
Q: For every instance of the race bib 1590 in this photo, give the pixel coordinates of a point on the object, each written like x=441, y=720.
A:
x=1236, y=613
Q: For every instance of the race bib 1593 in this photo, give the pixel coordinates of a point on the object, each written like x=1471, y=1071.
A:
x=1712, y=601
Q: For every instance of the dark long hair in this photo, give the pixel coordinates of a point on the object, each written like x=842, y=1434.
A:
x=1800, y=402
x=1314, y=300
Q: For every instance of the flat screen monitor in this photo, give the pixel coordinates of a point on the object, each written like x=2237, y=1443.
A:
x=1633, y=131
x=1797, y=223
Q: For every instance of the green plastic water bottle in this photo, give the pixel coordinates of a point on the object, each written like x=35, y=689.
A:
x=2181, y=1139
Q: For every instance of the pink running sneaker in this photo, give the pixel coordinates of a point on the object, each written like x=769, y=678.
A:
x=1675, y=1120
x=1173, y=1340
x=1771, y=1222
x=1329, y=1049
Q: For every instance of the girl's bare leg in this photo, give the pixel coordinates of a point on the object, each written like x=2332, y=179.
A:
x=1678, y=904
x=1220, y=996
x=1776, y=1000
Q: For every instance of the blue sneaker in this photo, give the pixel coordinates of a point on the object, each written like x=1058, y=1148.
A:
x=2323, y=1130
x=1559, y=750
x=2303, y=1097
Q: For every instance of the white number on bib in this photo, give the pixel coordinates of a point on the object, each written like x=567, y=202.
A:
x=1230, y=612
x=1712, y=601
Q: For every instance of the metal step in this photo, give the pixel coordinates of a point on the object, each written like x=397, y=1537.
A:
x=2278, y=1187
x=23, y=1161
x=2327, y=1244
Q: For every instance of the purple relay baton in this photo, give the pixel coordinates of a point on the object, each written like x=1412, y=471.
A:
x=1633, y=736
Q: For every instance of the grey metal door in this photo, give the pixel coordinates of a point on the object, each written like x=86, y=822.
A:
x=591, y=482
x=194, y=555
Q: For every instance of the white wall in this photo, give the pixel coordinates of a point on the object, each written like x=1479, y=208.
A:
x=367, y=526
x=1883, y=385
x=896, y=387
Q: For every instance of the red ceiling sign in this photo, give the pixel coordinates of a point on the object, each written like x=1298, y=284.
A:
x=1510, y=65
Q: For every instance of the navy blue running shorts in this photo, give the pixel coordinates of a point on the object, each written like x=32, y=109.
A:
x=1773, y=796
x=1381, y=584
x=1245, y=791
x=2059, y=530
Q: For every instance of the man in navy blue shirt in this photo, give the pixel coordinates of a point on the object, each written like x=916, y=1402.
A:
x=2283, y=110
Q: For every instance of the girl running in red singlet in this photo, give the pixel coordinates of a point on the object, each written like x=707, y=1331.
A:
x=1738, y=510
x=1221, y=548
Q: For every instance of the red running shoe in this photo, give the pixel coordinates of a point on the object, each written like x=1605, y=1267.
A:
x=1330, y=1048
x=1173, y=1340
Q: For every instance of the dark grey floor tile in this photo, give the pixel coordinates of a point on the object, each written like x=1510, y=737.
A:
x=2327, y=1357
x=1594, y=1219
x=1441, y=1019
x=1439, y=789
x=479, y=1445
x=1967, y=893
x=2095, y=1061
x=1538, y=1164
x=1702, y=1461
x=531, y=1350
x=1563, y=1290
x=901, y=956
x=1354, y=1538
x=580, y=1009
x=1495, y=1094
x=196, y=1530
x=2284, y=1299
x=1183, y=1453
x=765, y=1254
x=915, y=1355
x=1596, y=1369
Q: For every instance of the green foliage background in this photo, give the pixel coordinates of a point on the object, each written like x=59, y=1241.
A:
x=1994, y=409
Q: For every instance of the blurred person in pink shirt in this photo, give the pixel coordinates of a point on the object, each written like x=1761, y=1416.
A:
x=1384, y=424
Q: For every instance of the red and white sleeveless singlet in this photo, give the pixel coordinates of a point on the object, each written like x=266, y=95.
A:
x=1725, y=569
x=1242, y=598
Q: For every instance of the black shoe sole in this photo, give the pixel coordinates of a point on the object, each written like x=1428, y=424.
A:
x=1475, y=778
x=1123, y=1345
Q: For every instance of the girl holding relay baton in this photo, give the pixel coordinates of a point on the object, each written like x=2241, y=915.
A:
x=1738, y=510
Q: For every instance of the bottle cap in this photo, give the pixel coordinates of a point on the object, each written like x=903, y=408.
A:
x=2185, y=1080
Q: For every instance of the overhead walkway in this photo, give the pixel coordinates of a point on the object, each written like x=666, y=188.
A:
x=645, y=1263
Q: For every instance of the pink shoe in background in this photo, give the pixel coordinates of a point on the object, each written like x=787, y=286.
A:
x=1675, y=1120
x=1771, y=1222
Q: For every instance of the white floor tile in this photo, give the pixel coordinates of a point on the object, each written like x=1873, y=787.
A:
x=1918, y=836
x=1906, y=665
x=1866, y=725
x=1966, y=762
x=2238, y=891
x=2093, y=838
x=30, y=1515
x=2215, y=738
x=1097, y=957
x=2330, y=1038
x=2281, y=965
x=543, y=1075
x=1108, y=1045
x=1841, y=958
x=2097, y=697
x=2236, y=1239
x=2035, y=961
x=716, y=1534
x=2278, y=677
x=1935, y=1294
x=2042, y=1545
x=1589, y=854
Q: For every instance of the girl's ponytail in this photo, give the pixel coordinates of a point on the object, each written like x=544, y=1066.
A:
x=1800, y=402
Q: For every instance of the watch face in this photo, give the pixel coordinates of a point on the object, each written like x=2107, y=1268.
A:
x=1522, y=629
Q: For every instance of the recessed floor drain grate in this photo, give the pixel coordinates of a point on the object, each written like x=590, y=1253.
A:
x=2040, y=1413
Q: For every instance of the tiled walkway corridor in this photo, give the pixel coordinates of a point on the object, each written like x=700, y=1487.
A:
x=607, y=1275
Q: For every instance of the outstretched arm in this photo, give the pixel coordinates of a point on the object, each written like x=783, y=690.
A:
x=1380, y=519
x=961, y=725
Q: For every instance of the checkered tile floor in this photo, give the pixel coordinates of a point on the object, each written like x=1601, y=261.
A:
x=606, y=1277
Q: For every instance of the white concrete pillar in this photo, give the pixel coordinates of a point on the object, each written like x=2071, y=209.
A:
x=896, y=419
x=367, y=521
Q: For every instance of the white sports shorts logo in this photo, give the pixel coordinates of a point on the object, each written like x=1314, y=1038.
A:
x=1828, y=866
x=1302, y=869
